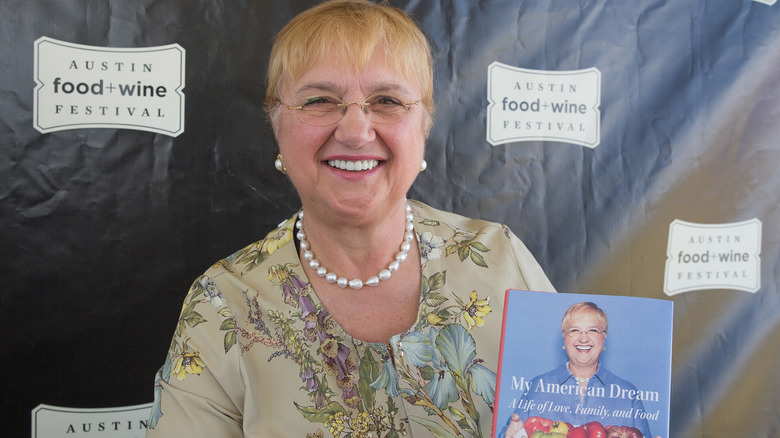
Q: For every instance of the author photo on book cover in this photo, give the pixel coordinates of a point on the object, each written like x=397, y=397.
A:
x=581, y=390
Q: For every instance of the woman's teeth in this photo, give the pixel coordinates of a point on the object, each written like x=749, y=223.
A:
x=583, y=348
x=353, y=166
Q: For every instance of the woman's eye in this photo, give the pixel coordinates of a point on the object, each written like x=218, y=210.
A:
x=385, y=100
x=319, y=100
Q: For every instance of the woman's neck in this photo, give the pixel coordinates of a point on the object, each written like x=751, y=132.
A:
x=582, y=372
x=355, y=246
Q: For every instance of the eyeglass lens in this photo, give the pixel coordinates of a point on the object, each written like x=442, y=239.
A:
x=591, y=332
x=328, y=110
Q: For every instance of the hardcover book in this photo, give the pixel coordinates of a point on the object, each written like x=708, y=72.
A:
x=583, y=366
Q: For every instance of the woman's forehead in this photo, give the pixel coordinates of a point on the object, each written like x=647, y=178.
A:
x=584, y=317
x=330, y=74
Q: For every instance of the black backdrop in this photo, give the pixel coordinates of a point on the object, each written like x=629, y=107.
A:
x=102, y=230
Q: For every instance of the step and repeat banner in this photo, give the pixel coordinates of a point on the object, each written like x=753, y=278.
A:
x=633, y=146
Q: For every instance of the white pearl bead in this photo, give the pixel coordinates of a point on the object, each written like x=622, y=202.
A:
x=356, y=283
x=342, y=282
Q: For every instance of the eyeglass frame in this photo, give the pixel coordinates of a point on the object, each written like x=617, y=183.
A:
x=344, y=106
x=591, y=332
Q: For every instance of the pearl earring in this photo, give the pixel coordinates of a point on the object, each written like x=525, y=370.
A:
x=423, y=165
x=279, y=164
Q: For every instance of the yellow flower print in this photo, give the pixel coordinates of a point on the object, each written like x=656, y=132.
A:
x=188, y=363
x=360, y=425
x=275, y=240
x=335, y=423
x=475, y=310
x=278, y=274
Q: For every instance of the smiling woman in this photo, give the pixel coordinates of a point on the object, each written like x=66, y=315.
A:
x=399, y=335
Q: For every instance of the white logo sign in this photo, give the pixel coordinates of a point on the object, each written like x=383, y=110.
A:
x=529, y=105
x=104, y=87
x=124, y=422
x=719, y=256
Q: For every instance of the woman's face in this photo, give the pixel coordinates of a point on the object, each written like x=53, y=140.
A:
x=583, y=340
x=315, y=156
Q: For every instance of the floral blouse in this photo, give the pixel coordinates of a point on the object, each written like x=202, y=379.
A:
x=255, y=353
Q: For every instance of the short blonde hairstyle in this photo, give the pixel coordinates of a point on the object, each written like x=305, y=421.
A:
x=584, y=308
x=353, y=30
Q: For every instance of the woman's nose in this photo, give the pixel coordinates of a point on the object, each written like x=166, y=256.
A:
x=355, y=128
x=363, y=107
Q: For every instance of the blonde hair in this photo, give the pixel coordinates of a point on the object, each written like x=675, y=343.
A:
x=585, y=307
x=352, y=30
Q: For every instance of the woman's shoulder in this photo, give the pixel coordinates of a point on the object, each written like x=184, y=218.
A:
x=613, y=379
x=487, y=244
x=432, y=216
x=252, y=262
x=558, y=374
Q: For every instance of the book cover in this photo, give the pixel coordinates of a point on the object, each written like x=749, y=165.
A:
x=582, y=366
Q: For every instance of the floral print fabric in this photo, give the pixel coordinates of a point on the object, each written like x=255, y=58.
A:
x=256, y=354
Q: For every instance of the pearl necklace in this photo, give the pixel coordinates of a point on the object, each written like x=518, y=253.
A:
x=357, y=283
x=580, y=379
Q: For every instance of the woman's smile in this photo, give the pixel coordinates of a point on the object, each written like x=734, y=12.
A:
x=353, y=166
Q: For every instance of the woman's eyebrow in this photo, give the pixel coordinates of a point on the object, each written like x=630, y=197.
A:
x=384, y=87
x=320, y=86
x=371, y=89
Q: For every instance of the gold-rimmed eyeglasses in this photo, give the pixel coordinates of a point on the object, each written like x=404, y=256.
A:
x=592, y=332
x=327, y=110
